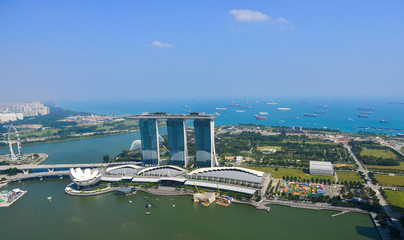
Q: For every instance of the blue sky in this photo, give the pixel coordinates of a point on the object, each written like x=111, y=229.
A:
x=89, y=50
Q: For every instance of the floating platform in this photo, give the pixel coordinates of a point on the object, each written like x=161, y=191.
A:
x=9, y=197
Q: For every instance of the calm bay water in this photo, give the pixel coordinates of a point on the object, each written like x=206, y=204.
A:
x=111, y=216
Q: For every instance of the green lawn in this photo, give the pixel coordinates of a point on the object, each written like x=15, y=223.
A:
x=378, y=153
x=291, y=172
x=278, y=148
x=396, y=199
x=386, y=168
x=387, y=180
x=348, y=176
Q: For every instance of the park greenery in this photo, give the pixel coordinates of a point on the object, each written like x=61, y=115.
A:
x=387, y=180
x=291, y=150
x=371, y=153
x=396, y=200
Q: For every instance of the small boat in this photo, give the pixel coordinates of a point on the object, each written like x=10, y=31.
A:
x=371, y=109
x=383, y=121
x=271, y=103
x=49, y=198
x=217, y=114
x=310, y=115
x=147, y=213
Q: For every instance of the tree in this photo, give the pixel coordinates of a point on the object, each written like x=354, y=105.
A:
x=106, y=158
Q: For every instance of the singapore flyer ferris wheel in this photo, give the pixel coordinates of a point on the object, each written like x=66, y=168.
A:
x=13, y=131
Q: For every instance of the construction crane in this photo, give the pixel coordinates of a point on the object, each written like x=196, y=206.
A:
x=204, y=197
x=218, y=193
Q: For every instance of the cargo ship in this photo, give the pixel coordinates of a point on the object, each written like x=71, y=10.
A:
x=363, y=115
x=218, y=108
x=263, y=113
x=260, y=118
x=383, y=121
x=366, y=109
x=240, y=111
x=284, y=109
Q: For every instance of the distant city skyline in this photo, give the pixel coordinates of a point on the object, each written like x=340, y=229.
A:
x=108, y=50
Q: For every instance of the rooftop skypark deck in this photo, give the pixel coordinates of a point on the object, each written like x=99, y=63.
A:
x=172, y=116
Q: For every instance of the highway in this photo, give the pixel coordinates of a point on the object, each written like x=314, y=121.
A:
x=53, y=166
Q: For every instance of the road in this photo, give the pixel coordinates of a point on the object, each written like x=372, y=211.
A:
x=52, y=166
x=383, y=203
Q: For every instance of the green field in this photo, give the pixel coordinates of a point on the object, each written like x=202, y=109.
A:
x=378, y=153
x=348, y=176
x=387, y=180
x=278, y=148
x=396, y=199
x=386, y=168
x=312, y=143
x=291, y=172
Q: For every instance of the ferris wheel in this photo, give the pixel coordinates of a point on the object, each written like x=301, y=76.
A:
x=13, y=130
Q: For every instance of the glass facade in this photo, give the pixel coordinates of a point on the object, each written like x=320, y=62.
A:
x=150, y=141
x=177, y=141
x=203, y=130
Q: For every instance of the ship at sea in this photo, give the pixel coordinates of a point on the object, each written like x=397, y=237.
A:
x=284, y=109
x=383, y=121
x=310, y=115
x=260, y=118
x=271, y=103
x=366, y=109
x=263, y=113
x=363, y=115
x=219, y=108
x=323, y=107
x=240, y=111
x=315, y=111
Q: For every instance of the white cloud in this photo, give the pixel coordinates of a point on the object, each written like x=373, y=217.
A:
x=281, y=20
x=255, y=16
x=160, y=44
x=249, y=16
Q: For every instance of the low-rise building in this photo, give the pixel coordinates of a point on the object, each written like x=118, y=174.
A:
x=321, y=168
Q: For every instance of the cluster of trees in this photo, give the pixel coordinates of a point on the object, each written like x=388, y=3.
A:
x=312, y=180
x=11, y=171
x=125, y=156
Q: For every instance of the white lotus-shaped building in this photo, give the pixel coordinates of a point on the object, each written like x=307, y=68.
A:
x=85, y=178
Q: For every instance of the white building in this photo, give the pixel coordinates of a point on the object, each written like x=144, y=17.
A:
x=321, y=168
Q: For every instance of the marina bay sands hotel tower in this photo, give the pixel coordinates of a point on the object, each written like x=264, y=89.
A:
x=177, y=139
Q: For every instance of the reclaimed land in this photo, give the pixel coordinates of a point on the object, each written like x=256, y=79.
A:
x=289, y=172
x=396, y=199
x=348, y=176
x=387, y=180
